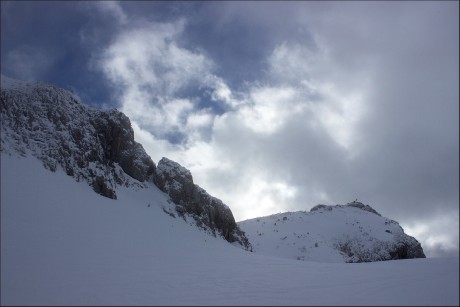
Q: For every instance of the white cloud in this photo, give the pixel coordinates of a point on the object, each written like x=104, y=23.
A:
x=341, y=114
x=269, y=108
x=148, y=69
x=438, y=234
x=221, y=92
x=175, y=111
x=336, y=107
x=293, y=63
x=263, y=196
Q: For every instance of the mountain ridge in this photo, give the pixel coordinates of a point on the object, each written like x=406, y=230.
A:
x=96, y=146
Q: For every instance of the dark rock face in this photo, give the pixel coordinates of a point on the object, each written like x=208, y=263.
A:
x=89, y=144
x=355, y=204
x=208, y=211
x=362, y=206
x=403, y=247
x=175, y=180
x=100, y=187
x=118, y=145
x=407, y=250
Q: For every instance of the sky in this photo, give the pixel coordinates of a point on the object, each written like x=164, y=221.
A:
x=273, y=106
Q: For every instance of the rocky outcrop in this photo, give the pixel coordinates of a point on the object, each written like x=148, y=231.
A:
x=362, y=206
x=209, y=212
x=89, y=144
x=355, y=204
x=117, y=141
x=403, y=247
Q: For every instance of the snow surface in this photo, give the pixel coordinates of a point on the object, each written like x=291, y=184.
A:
x=63, y=244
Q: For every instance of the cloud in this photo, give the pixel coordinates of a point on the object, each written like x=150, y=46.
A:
x=438, y=234
x=342, y=102
x=337, y=108
x=150, y=71
x=222, y=92
x=112, y=8
x=269, y=109
x=273, y=150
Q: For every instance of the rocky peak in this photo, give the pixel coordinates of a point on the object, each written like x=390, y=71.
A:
x=362, y=206
x=89, y=144
x=209, y=212
x=355, y=204
x=172, y=178
x=117, y=139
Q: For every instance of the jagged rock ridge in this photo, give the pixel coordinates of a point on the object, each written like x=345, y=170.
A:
x=96, y=146
x=190, y=198
x=355, y=204
x=351, y=233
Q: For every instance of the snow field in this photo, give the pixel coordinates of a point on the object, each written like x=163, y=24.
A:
x=63, y=244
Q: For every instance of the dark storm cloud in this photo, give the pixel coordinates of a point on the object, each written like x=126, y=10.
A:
x=411, y=148
x=53, y=41
x=239, y=36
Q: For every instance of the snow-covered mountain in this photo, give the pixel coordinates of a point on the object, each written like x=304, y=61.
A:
x=98, y=147
x=352, y=233
x=136, y=241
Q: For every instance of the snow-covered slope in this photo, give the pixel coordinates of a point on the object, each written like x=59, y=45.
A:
x=135, y=241
x=63, y=244
x=350, y=233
